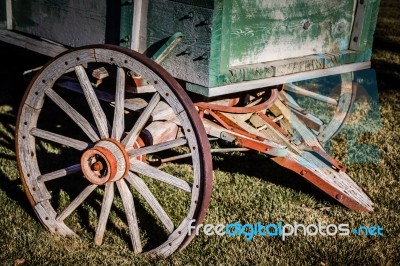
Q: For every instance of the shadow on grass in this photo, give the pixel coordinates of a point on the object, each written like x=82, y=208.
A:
x=262, y=167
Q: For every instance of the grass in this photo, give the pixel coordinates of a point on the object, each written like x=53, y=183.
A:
x=247, y=188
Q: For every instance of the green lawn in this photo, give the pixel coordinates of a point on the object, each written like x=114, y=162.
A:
x=255, y=191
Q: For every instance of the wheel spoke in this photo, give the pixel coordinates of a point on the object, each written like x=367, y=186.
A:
x=158, y=147
x=118, y=123
x=94, y=104
x=130, y=139
x=127, y=200
x=105, y=211
x=70, y=142
x=60, y=173
x=149, y=171
x=142, y=188
x=74, y=115
x=75, y=203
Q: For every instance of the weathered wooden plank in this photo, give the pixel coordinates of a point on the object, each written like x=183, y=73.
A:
x=9, y=14
x=216, y=90
x=250, y=72
x=296, y=65
x=139, y=24
x=39, y=46
x=344, y=57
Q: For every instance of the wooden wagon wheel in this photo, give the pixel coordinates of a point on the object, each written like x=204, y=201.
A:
x=97, y=151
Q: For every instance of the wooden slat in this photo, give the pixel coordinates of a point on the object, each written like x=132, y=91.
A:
x=307, y=135
x=94, y=104
x=130, y=139
x=142, y=188
x=127, y=200
x=76, y=202
x=149, y=171
x=73, y=114
x=105, y=211
x=41, y=47
x=60, y=173
x=70, y=142
x=119, y=121
x=158, y=147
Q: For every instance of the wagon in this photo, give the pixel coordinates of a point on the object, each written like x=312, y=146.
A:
x=137, y=85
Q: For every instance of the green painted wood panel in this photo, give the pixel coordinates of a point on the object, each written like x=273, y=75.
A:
x=369, y=24
x=70, y=22
x=260, y=31
x=126, y=23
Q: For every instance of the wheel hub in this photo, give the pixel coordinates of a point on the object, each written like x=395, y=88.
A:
x=107, y=161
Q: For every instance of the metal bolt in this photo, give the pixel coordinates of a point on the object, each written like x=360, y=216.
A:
x=306, y=25
x=303, y=172
x=97, y=166
x=355, y=39
x=339, y=196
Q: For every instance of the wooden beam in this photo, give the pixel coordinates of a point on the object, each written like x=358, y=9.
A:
x=35, y=45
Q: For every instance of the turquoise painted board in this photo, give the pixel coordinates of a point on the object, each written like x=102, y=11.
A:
x=261, y=31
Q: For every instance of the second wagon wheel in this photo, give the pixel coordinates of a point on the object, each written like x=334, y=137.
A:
x=77, y=149
x=323, y=104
